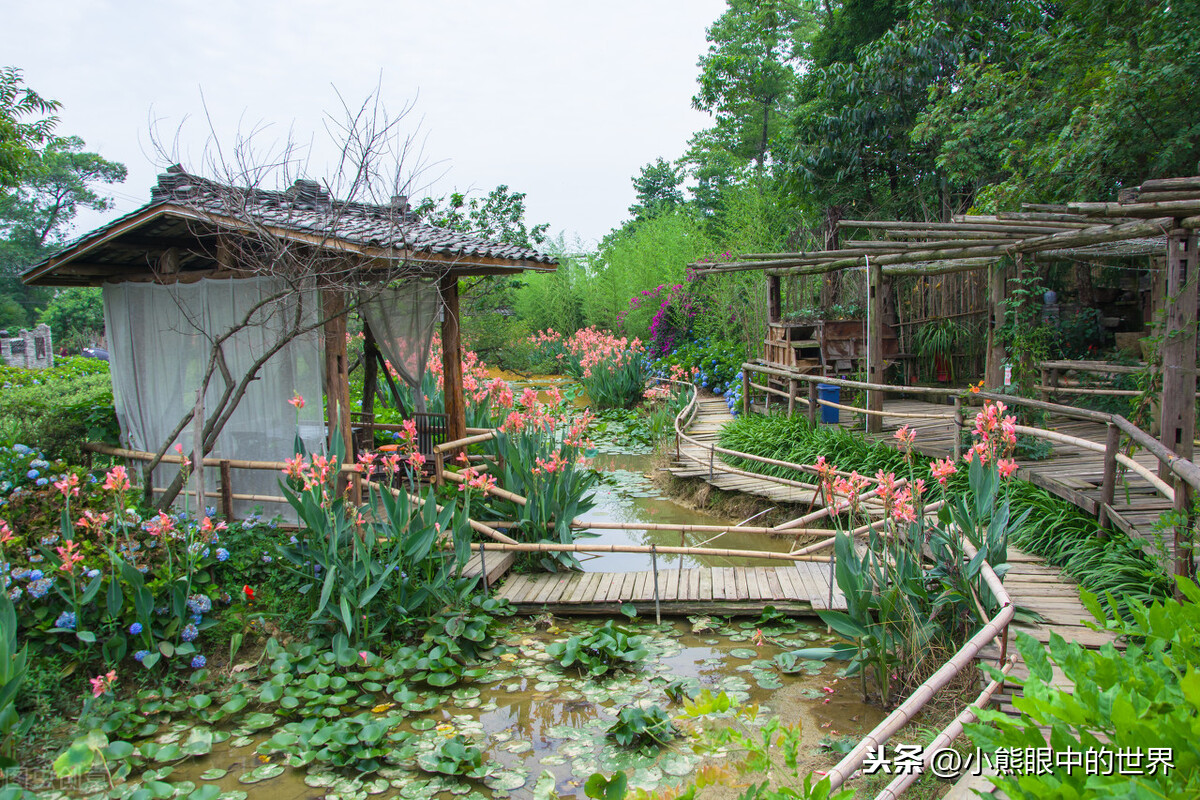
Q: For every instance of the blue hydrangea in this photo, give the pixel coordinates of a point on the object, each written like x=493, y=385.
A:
x=22, y=449
x=38, y=588
x=36, y=575
x=66, y=620
x=266, y=559
x=135, y=629
x=197, y=618
x=199, y=604
x=189, y=632
x=140, y=654
x=198, y=662
x=15, y=594
x=42, y=481
x=91, y=573
x=222, y=554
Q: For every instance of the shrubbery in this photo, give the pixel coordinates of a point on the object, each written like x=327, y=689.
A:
x=59, y=409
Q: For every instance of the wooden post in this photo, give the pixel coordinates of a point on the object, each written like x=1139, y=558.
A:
x=1044, y=394
x=370, y=375
x=993, y=374
x=1108, y=487
x=226, y=489
x=874, y=344
x=745, y=391
x=791, y=397
x=774, y=299
x=812, y=403
x=452, y=383
x=198, y=451
x=337, y=378
x=1184, y=537
x=958, y=428
x=1178, y=426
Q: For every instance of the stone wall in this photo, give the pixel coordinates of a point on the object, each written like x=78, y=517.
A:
x=31, y=349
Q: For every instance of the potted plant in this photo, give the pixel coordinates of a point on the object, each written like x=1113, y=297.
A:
x=935, y=343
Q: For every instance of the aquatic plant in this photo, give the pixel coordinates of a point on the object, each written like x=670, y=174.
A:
x=645, y=729
x=606, y=648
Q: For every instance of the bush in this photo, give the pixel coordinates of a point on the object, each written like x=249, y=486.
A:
x=1146, y=697
x=58, y=410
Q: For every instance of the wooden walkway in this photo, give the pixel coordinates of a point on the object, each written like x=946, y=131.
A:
x=693, y=461
x=800, y=588
x=1071, y=472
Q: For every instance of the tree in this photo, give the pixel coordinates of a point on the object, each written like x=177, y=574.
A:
x=21, y=138
x=657, y=188
x=75, y=315
x=36, y=215
x=747, y=75
x=499, y=216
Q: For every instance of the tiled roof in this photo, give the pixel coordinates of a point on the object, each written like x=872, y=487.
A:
x=306, y=207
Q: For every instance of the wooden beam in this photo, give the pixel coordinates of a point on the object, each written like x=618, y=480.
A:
x=1177, y=208
x=452, y=383
x=1170, y=184
x=1098, y=234
x=1178, y=421
x=874, y=344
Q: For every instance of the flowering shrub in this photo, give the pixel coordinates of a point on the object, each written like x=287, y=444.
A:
x=716, y=364
x=901, y=605
x=114, y=580
x=671, y=323
x=543, y=456
x=20, y=467
x=369, y=571
x=611, y=369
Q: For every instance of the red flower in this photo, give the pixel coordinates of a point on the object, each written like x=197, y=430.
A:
x=248, y=592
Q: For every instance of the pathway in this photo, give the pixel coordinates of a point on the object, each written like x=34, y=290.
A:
x=726, y=591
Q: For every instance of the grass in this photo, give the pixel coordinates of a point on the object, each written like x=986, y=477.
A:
x=1055, y=529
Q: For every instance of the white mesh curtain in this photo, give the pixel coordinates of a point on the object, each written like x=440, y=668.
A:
x=159, y=341
x=403, y=319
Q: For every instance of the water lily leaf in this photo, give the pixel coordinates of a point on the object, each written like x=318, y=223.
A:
x=214, y=774
x=209, y=792
x=259, y=720
x=422, y=724
x=233, y=794
x=743, y=652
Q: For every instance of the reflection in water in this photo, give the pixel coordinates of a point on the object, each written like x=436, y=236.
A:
x=618, y=503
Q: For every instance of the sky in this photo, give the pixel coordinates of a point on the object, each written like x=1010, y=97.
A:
x=561, y=99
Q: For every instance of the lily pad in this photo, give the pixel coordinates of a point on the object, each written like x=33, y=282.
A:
x=743, y=652
x=422, y=724
x=214, y=774
x=262, y=773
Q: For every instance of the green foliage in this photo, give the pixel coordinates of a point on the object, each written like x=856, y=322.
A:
x=1146, y=696
x=716, y=364
x=657, y=188
x=12, y=677
x=21, y=138
x=75, y=316
x=455, y=756
x=645, y=729
x=60, y=409
x=608, y=647
x=500, y=216
x=598, y=787
x=369, y=576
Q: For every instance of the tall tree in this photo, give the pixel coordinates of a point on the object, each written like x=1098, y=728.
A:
x=748, y=73
x=36, y=215
x=21, y=138
x=658, y=189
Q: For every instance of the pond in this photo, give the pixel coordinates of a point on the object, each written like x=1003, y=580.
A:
x=541, y=727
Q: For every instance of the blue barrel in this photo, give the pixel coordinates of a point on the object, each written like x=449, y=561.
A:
x=830, y=394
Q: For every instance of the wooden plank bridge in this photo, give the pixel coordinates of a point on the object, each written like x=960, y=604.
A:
x=800, y=588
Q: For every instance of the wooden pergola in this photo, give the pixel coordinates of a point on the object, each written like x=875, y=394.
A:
x=194, y=228
x=1159, y=219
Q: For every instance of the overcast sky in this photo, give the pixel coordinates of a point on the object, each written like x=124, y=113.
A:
x=561, y=99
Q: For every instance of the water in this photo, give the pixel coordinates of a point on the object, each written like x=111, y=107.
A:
x=538, y=722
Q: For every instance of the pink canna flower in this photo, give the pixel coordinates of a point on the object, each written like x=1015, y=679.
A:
x=116, y=479
x=1007, y=467
x=942, y=469
x=297, y=402
x=6, y=534
x=103, y=683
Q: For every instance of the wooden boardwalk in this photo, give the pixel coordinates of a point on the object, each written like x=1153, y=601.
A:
x=693, y=461
x=801, y=588
x=1071, y=472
